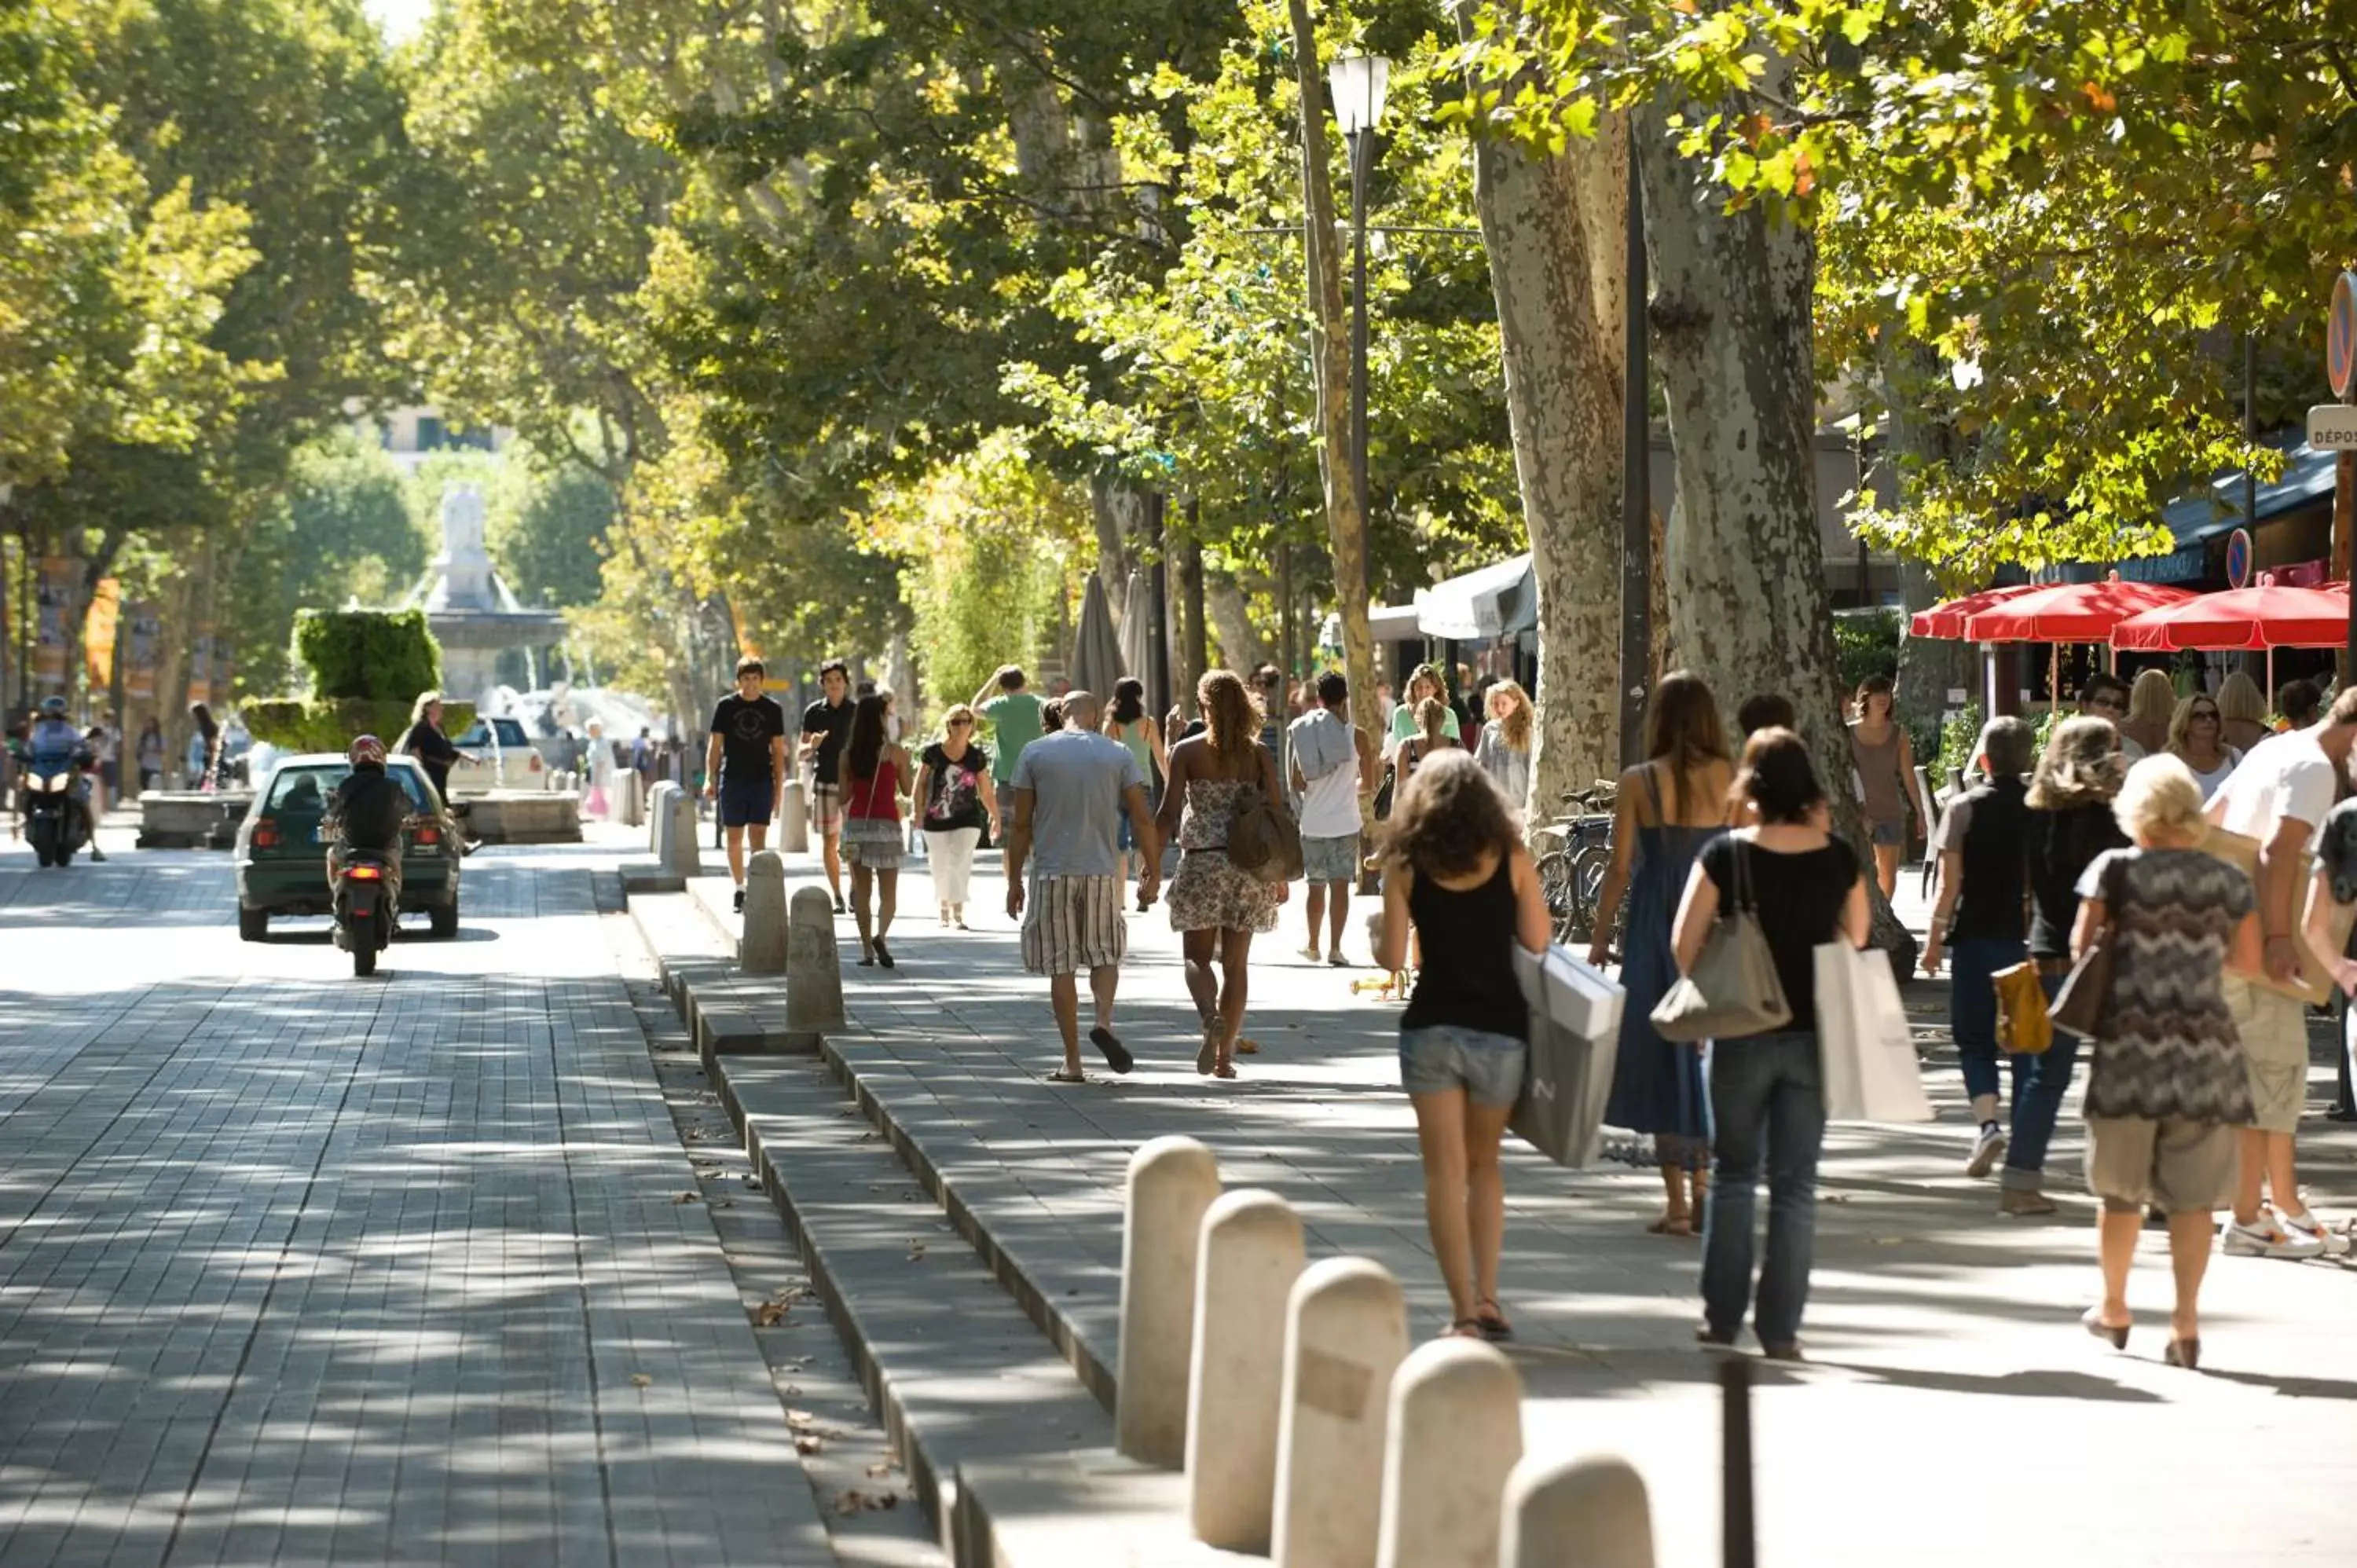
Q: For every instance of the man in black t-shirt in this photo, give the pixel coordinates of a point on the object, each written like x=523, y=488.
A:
x=827, y=726
x=745, y=766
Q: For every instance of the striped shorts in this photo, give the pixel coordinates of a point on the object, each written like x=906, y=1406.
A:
x=1072, y=923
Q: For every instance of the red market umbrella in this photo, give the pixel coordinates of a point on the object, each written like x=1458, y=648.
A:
x=2069, y=612
x=1946, y=623
x=2249, y=619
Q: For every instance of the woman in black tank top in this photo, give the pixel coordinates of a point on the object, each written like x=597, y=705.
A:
x=1455, y=871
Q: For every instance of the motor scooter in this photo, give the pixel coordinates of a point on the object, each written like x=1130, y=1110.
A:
x=364, y=911
x=53, y=809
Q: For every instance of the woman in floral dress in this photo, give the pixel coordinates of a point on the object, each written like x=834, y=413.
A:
x=1215, y=907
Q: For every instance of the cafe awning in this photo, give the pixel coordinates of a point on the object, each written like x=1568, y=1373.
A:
x=1493, y=602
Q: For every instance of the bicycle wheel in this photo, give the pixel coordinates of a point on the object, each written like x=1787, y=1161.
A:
x=1589, y=868
x=1559, y=886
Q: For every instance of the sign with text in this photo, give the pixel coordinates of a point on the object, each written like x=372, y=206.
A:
x=2332, y=427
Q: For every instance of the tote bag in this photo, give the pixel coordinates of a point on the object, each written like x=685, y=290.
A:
x=2023, y=1026
x=1575, y=1032
x=1864, y=1045
x=1732, y=990
x=2087, y=991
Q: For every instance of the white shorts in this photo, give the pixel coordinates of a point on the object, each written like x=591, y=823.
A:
x=1072, y=923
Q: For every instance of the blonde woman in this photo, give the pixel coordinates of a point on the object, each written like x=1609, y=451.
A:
x=2152, y=703
x=2242, y=712
x=2197, y=738
x=1504, y=750
x=2169, y=1087
x=954, y=797
x=1215, y=906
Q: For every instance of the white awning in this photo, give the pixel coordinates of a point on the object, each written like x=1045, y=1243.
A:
x=1478, y=606
x=1385, y=623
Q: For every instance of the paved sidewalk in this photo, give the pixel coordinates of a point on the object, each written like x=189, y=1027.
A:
x=1955, y=1405
x=296, y=1268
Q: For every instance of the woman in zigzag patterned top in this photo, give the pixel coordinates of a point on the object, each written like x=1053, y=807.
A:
x=2168, y=1088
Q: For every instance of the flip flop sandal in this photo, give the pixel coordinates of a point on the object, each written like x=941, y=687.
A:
x=1067, y=1077
x=1116, y=1055
x=1246, y=1047
x=1464, y=1328
x=1207, y=1053
x=1491, y=1322
x=1224, y=1070
x=1667, y=1226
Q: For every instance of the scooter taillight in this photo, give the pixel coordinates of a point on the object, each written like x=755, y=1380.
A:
x=364, y=873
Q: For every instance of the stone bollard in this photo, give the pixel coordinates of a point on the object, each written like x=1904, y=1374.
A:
x=681, y=858
x=813, y=971
x=762, y=947
x=1456, y=1431
x=1577, y=1513
x=1249, y=1256
x=659, y=817
x=794, y=819
x=1345, y=1335
x=630, y=805
x=1171, y=1182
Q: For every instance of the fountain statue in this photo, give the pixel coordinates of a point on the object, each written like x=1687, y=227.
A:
x=471, y=612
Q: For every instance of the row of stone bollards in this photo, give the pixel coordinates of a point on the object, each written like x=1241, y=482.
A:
x=1307, y=1427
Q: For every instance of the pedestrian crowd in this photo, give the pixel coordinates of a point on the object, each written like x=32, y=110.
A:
x=2158, y=883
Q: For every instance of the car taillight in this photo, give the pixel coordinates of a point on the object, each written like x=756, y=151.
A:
x=426, y=836
x=265, y=834
x=364, y=874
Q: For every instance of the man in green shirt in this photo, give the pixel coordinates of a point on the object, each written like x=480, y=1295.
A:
x=1014, y=715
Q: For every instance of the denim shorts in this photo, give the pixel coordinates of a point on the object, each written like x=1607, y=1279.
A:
x=1889, y=835
x=1442, y=1057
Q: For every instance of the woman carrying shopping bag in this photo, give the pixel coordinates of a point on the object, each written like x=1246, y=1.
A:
x=1766, y=1092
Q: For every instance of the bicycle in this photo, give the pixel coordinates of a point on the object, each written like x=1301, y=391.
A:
x=1571, y=874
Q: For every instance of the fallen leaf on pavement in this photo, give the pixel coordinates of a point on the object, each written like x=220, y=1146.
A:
x=640, y=1379
x=689, y=1197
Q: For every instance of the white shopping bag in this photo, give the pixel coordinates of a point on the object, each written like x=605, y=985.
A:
x=1575, y=1037
x=1865, y=1045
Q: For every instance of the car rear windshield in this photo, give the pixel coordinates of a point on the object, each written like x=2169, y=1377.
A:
x=308, y=790
x=511, y=735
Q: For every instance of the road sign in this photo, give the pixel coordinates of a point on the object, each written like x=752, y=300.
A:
x=2238, y=558
x=2332, y=426
x=2340, y=337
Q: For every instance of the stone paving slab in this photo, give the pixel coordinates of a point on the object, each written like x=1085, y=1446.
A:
x=1932, y=1320
x=300, y=1269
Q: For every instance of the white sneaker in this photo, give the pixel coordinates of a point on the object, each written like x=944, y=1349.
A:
x=1989, y=1149
x=2335, y=1243
x=2266, y=1238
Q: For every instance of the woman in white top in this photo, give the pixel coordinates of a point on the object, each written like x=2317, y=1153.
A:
x=1330, y=763
x=1504, y=751
x=2197, y=738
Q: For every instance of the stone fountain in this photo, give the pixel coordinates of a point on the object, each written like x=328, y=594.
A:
x=471, y=612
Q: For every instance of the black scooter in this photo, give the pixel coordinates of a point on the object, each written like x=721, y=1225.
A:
x=52, y=812
x=364, y=911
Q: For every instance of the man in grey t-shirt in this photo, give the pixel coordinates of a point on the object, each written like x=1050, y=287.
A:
x=1071, y=789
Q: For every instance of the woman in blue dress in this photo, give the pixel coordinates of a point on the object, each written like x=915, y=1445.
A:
x=1670, y=806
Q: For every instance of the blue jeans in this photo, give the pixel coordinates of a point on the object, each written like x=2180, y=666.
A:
x=2038, y=1084
x=1971, y=1009
x=1767, y=1106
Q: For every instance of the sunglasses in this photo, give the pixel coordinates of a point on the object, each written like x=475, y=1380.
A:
x=961, y=723
x=2210, y=714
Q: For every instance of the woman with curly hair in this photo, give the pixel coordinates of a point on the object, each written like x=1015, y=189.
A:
x=1456, y=870
x=1215, y=906
x=1504, y=749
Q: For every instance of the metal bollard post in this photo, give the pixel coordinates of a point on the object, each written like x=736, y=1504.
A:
x=1345, y=1334
x=762, y=947
x=1576, y=1513
x=1737, y=1533
x=1250, y=1255
x=1172, y=1181
x=1456, y=1431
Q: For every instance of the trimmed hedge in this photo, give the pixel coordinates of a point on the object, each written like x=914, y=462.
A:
x=332, y=725
x=385, y=656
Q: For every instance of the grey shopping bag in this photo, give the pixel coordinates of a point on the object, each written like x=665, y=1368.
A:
x=1574, y=1022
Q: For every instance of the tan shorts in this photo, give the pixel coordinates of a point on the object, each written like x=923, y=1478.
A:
x=2185, y=1167
x=2274, y=1052
x=1072, y=923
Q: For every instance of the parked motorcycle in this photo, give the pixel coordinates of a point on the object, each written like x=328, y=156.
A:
x=364, y=909
x=52, y=811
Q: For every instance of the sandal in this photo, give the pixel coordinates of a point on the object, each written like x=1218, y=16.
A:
x=2117, y=1333
x=1245, y=1047
x=1224, y=1070
x=1464, y=1328
x=2185, y=1353
x=1491, y=1320
x=1207, y=1053
x=1673, y=1225
x=1061, y=1075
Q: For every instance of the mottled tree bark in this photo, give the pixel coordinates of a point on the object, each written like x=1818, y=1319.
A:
x=1731, y=315
x=1556, y=230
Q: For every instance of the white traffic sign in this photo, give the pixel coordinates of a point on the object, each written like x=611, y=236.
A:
x=2333, y=426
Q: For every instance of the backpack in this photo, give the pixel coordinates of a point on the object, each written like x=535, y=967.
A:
x=1264, y=841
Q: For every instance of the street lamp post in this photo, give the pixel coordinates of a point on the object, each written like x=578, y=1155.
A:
x=1358, y=83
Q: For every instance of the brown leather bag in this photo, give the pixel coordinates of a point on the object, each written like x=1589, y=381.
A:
x=1264, y=841
x=2086, y=993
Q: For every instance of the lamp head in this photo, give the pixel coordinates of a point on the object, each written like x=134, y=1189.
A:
x=1359, y=84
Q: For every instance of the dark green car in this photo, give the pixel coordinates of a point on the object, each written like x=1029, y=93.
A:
x=282, y=865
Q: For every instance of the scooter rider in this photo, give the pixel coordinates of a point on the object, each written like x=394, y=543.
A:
x=367, y=813
x=54, y=745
